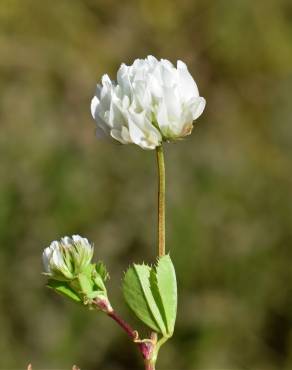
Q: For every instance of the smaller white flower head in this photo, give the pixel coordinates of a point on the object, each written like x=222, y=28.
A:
x=151, y=101
x=64, y=259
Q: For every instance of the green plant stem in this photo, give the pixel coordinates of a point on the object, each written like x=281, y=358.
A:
x=149, y=365
x=161, y=200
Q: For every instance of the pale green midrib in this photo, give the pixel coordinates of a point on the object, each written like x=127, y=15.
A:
x=149, y=305
x=162, y=310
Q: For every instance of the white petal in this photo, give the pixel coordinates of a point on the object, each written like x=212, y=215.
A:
x=142, y=94
x=167, y=64
x=125, y=134
x=142, y=132
x=198, y=107
x=123, y=79
x=136, y=133
x=172, y=103
x=168, y=75
x=120, y=136
x=66, y=240
x=152, y=60
x=186, y=84
x=106, y=81
x=57, y=259
x=46, y=259
x=154, y=87
x=79, y=239
x=54, y=245
x=93, y=106
x=162, y=117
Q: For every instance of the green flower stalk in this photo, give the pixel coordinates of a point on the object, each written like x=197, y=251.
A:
x=161, y=201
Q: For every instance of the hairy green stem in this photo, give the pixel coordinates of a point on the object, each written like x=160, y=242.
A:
x=161, y=200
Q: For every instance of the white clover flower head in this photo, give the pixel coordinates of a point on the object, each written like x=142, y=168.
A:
x=65, y=259
x=152, y=101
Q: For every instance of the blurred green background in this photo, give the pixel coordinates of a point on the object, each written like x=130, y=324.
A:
x=229, y=211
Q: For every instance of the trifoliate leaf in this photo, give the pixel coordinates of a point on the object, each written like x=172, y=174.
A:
x=138, y=295
x=166, y=282
x=152, y=294
x=64, y=289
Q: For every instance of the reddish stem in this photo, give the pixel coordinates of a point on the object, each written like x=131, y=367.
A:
x=145, y=347
x=127, y=328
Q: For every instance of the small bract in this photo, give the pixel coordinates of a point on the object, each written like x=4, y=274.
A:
x=152, y=101
x=65, y=259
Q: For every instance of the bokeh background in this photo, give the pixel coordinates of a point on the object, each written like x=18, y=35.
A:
x=229, y=212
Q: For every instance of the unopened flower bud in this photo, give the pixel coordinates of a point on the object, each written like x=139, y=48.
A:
x=65, y=259
x=68, y=264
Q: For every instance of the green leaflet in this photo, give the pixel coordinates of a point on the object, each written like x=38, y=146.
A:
x=152, y=295
x=137, y=293
x=85, y=283
x=63, y=288
x=166, y=281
